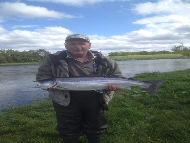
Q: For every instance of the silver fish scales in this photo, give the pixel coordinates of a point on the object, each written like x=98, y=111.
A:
x=96, y=83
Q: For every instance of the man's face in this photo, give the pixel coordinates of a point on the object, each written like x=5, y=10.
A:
x=77, y=47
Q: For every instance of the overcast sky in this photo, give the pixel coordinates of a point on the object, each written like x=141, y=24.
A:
x=112, y=25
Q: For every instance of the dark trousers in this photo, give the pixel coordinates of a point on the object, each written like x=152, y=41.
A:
x=84, y=114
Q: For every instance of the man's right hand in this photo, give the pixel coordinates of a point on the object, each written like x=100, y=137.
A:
x=111, y=87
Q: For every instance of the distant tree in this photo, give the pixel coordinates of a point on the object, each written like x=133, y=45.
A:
x=43, y=53
x=164, y=52
x=2, y=59
x=11, y=56
x=180, y=48
x=143, y=53
x=186, y=49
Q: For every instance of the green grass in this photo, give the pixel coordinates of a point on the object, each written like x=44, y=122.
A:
x=145, y=57
x=26, y=63
x=134, y=116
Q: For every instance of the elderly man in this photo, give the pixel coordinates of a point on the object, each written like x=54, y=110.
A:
x=79, y=112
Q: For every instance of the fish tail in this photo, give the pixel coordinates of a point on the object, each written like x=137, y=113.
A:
x=154, y=86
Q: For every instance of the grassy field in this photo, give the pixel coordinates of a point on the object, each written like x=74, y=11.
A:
x=145, y=57
x=134, y=116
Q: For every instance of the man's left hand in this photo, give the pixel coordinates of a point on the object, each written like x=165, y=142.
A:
x=111, y=87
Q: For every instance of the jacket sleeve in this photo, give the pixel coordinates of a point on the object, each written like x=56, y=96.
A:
x=45, y=70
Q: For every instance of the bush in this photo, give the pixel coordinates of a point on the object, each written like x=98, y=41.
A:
x=2, y=59
x=186, y=53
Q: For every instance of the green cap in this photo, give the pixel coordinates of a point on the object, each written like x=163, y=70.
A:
x=77, y=36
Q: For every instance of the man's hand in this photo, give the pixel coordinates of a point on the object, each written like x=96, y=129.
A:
x=112, y=87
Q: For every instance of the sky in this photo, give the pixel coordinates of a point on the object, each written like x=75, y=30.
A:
x=112, y=25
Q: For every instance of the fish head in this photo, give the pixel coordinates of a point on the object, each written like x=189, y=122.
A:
x=45, y=84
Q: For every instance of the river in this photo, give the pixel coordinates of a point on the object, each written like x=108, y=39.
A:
x=17, y=86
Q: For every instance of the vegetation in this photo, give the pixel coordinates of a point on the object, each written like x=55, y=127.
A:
x=182, y=49
x=146, y=57
x=138, y=53
x=176, y=52
x=37, y=56
x=134, y=116
x=11, y=56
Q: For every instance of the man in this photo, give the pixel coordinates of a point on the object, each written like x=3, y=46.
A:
x=79, y=112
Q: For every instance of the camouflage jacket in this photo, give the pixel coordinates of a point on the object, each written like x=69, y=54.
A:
x=56, y=65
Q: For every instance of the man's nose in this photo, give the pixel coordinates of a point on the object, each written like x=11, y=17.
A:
x=77, y=45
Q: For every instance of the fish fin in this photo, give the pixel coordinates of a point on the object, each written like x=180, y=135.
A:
x=154, y=86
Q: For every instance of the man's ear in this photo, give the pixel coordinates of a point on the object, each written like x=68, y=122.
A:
x=89, y=45
x=65, y=46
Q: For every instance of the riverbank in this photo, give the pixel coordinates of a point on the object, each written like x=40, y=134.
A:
x=134, y=116
x=121, y=58
x=147, y=57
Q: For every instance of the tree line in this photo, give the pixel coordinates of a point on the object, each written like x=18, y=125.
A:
x=14, y=56
x=180, y=49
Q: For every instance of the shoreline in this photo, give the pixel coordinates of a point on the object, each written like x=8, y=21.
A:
x=181, y=58
x=35, y=63
x=13, y=64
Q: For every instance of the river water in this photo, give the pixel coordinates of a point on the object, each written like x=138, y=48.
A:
x=17, y=86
